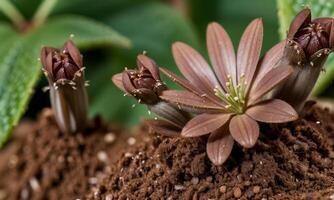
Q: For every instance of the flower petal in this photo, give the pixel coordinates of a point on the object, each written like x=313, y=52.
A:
x=302, y=18
x=163, y=127
x=272, y=111
x=220, y=145
x=270, y=60
x=117, y=79
x=182, y=82
x=74, y=53
x=244, y=130
x=203, y=124
x=269, y=81
x=127, y=84
x=149, y=64
x=221, y=53
x=249, y=50
x=170, y=113
x=185, y=98
x=194, y=68
x=190, y=87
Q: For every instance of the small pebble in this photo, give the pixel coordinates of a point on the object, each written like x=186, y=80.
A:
x=109, y=138
x=209, y=179
x=237, y=192
x=194, y=180
x=3, y=195
x=222, y=189
x=131, y=141
x=332, y=197
x=247, y=183
x=34, y=184
x=128, y=155
x=178, y=187
x=92, y=180
x=109, y=197
x=13, y=160
x=256, y=189
x=102, y=156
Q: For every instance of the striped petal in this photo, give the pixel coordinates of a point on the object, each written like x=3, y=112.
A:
x=221, y=53
x=272, y=111
x=270, y=60
x=220, y=145
x=244, y=130
x=185, y=98
x=190, y=87
x=249, y=50
x=302, y=18
x=117, y=79
x=204, y=124
x=194, y=68
x=269, y=81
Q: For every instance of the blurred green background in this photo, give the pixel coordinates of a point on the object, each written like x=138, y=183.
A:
x=111, y=33
x=151, y=26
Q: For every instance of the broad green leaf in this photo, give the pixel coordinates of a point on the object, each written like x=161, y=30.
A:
x=151, y=28
x=287, y=9
x=19, y=65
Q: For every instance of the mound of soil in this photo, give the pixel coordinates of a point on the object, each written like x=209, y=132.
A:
x=290, y=161
x=42, y=163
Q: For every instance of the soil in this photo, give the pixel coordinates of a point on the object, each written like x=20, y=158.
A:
x=290, y=161
x=40, y=162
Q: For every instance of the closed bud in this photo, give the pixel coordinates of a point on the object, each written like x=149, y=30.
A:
x=308, y=44
x=65, y=73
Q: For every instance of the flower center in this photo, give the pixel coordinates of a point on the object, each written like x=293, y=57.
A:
x=234, y=97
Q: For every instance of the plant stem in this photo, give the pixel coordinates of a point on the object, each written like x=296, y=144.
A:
x=43, y=12
x=12, y=13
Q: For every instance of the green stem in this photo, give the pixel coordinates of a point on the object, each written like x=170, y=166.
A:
x=43, y=12
x=12, y=13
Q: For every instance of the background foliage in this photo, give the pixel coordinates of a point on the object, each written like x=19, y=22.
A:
x=112, y=32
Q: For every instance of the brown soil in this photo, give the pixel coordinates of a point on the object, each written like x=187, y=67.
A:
x=42, y=163
x=290, y=161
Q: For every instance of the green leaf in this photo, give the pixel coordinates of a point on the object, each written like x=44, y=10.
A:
x=287, y=9
x=151, y=28
x=19, y=65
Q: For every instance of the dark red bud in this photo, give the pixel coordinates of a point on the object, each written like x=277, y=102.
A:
x=312, y=38
x=61, y=63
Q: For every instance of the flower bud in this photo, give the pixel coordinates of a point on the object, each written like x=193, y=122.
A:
x=144, y=83
x=65, y=73
x=308, y=45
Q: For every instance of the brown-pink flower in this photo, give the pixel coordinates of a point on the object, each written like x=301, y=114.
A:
x=230, y=99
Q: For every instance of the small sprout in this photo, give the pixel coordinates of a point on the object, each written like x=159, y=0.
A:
x=64, y=71
x=234, y=91
x=309, y=43
x=144, y=84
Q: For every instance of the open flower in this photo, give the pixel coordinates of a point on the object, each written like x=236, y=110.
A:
x=65, y=73
x=145, y=85
x=309, y=42
x=230, y=104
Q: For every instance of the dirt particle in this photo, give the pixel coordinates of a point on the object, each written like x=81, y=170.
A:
x=109, y=138
x=222, y=189
x=131, y=141
x=3, y=195
x=102, y=156
x=195, y=180
x=256, y=189
x=34, y=184
x=237, y=192
x=178, y=187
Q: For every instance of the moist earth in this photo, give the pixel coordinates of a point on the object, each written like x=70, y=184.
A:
x=290, y=161
x=41, y=163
